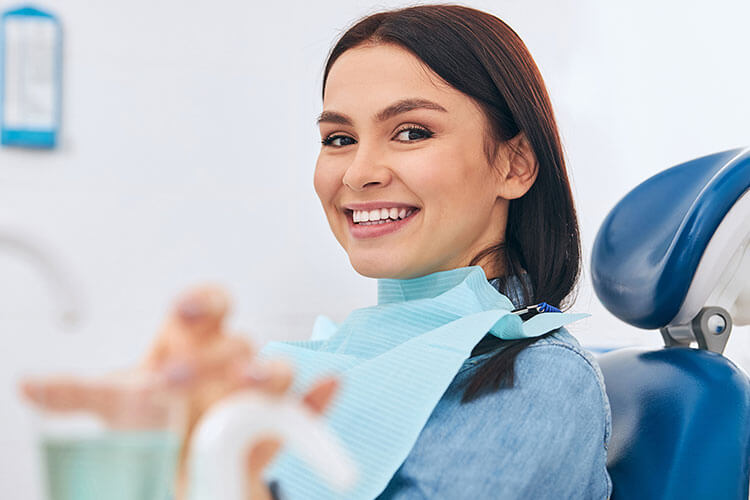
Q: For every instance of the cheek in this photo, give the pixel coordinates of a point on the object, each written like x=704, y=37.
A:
x=323, y=183
x=446, y=181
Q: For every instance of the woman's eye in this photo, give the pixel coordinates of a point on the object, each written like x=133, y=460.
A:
x=336, y=140
x=412, y=134
x=406, y=134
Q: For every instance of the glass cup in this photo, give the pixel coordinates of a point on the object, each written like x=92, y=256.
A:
x=114, y=438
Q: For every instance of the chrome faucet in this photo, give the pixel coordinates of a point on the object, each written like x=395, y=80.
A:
x=63, y=287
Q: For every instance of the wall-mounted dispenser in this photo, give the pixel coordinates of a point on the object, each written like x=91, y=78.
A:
x=30, y=78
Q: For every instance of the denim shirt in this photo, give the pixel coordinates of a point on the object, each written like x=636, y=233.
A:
x=544, y=438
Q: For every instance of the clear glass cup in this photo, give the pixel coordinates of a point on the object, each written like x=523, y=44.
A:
x=114, y=438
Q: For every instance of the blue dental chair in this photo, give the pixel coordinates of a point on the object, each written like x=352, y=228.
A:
x=674, y=255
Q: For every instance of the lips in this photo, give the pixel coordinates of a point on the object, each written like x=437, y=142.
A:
x=367, y=231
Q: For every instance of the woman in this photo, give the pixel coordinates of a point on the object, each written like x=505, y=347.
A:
x=440, y=151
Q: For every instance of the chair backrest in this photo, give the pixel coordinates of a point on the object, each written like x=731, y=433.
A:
x=680, y=426
x=680, y=416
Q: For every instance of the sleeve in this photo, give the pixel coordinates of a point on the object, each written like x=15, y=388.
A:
x=545, y=438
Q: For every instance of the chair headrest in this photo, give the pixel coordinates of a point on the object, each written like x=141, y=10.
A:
x=647, y=250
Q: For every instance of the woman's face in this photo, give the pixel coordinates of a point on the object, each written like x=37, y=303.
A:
x=398, y=140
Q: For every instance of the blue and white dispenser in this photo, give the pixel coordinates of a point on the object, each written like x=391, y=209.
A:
x=30, y=78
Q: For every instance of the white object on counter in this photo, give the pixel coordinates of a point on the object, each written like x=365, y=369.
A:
x=224, y=435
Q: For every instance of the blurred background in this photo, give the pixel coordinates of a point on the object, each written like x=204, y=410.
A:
x=187, y=149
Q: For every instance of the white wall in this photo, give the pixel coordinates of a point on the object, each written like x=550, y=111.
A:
x=189, y=144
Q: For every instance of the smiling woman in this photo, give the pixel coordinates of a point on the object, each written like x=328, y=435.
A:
x=439, y=150
x=441, y=109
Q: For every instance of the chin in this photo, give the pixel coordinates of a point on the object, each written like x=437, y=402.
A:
x=370, y=270
x=378, y=268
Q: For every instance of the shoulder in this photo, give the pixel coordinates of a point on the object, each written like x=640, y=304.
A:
x=567, y=354
x=554, y=372
x=560, y=364
x=557, y=408
x=562, y=351
x=563, y=348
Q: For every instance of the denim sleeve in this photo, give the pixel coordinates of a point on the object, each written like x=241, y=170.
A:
x=545, y=438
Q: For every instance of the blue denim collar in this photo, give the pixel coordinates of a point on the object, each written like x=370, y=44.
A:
x=513, y=287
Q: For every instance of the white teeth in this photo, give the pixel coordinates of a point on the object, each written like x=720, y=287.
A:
x=381, y=215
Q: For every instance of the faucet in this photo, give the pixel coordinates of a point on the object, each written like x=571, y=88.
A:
x=63, y=288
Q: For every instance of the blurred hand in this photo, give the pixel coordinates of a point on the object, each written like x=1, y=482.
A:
x=195, y=358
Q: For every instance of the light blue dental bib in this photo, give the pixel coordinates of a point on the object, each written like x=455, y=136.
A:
x=395, y=360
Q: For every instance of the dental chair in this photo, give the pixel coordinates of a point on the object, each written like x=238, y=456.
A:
x=674, y=255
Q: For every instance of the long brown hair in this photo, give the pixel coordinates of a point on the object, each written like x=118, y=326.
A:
x=481, y=56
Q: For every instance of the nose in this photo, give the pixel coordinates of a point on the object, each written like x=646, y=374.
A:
x=366, y=170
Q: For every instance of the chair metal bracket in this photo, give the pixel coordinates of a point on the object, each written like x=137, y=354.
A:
x=710, y=328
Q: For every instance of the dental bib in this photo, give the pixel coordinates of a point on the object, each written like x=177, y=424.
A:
x=394, y=361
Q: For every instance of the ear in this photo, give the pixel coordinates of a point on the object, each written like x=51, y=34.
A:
x=518, y=167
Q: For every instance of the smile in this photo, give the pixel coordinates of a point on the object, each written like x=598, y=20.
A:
x=370, y=224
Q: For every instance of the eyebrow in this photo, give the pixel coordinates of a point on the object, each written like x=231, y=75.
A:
x=394, y=109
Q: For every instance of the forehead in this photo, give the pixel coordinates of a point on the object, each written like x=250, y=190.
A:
x=381, y=73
